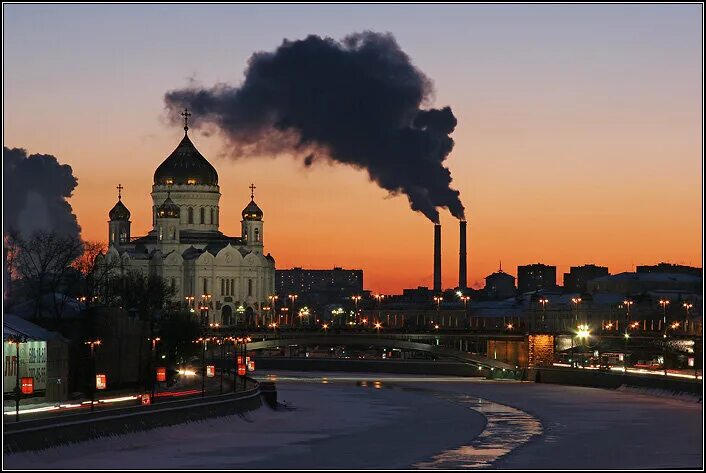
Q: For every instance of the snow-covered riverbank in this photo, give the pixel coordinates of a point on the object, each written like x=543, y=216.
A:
x=360, y=421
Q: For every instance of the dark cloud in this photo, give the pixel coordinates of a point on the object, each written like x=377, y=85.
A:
x=35, y=189
x=356, y=101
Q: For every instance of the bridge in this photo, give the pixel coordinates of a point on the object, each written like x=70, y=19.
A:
x=400, y=341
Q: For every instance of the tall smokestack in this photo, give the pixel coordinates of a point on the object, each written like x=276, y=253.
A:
x=437, y=257
x=462, y=255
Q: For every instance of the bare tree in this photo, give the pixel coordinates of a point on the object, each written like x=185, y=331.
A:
x=10, y=247
x=96, y=270
x=43, y=261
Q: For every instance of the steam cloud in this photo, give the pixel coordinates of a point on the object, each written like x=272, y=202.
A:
x=356, y=101
x=35, y=189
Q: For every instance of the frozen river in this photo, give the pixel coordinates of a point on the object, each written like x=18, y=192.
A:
x=361, y=421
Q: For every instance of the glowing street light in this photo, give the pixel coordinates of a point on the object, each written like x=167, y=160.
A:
x=92, y=344
x=583, y=331
x=293, y=299
x=273, y=300
x=465, y=300
x=356, y=299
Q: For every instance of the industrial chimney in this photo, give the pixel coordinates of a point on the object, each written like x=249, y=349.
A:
x=437, y=257
x=462, y=255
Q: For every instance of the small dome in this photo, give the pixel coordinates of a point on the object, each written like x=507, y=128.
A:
x=186, y=166
x=119, y=212
x=252, y=212
x=168, y=209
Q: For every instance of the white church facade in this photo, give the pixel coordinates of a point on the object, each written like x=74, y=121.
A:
x=231, y=275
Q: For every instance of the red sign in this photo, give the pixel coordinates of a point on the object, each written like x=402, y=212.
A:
x=241, y=370
x=27, y=385
x=100, y=381
x=145, y=399
x=240, y=360
x=210, y=371
x=251, y=366
x=161, y=374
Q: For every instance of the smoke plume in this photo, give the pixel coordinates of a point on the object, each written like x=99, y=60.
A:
x=35, y=189
x=356, y=101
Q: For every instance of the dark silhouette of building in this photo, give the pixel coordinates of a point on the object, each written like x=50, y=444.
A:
x=535, y=277
x=500, y=285
x=321, y=285
x=670, y=268
x=575, y=280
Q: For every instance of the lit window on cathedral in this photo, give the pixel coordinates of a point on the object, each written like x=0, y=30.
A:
x=170, y=181
x=191, y=181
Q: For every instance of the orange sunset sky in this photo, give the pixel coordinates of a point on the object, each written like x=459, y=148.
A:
x=578, y=139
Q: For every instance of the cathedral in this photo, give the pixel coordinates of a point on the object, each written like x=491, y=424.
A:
x=230, y=275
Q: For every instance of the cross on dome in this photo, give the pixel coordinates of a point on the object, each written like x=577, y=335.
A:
x=186, y=114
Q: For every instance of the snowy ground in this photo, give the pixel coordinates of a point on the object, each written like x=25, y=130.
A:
x=407, y=421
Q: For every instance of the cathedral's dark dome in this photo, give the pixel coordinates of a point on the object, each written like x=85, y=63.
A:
x=252, y=211
x=185, y=166
x=119, y=212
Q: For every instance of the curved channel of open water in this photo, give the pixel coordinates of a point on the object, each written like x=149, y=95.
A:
x=507, y=428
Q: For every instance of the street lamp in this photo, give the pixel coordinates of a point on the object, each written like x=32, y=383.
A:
x=465, y=300
x=438, y=300
x=627, y=303
x=293, y=299
x=304, y=312
x=576, y=301
x=18, y=392
x=378, y=325
x=190, y=303
x=92, y=344
x=356, y=299
x=544, y=301
x=203, y=341
x=152, y=371
x=664, y=303
x=325, y=327
x=673, y=326
x=379, y=298
x=273, y=300
x=687, y=307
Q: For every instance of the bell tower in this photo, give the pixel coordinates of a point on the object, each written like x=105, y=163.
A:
x=119, y=223
x=252, y=224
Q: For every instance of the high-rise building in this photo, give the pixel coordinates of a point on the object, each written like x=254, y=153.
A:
x=534, y=277
x=575, y=280
x=670, y=268
x=324, y=284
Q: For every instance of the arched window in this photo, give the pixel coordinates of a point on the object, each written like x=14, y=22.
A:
x=249, y=287
x=257, y=234
x=203, y=215
x=212, y=222
x=191, y=215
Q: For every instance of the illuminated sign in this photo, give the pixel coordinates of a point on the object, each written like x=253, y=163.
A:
x=210, y=371
x=27, y=385
x=241, y=370
x=100, y=381
x=33, y=364
x=161, y=374
x=240, y=360
x=145, y=399
x=251, y=366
